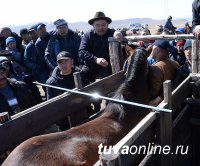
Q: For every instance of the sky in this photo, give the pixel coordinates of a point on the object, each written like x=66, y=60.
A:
x=21, y=12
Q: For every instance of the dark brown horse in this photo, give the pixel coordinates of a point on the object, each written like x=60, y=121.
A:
x=79, y=145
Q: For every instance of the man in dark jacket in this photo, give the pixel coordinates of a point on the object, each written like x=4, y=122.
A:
x=62, y=76
x=186, y=68
x=15, y=96
x=168, y=25
x=94, y=48
x=63, y=39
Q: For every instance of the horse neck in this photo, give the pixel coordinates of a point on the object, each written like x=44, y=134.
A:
x=136, y=91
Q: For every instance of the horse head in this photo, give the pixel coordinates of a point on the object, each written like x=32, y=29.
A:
x=134, y=88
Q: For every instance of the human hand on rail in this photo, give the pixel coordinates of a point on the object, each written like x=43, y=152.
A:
x=155, y=101
x=118, y=35
x=102, y=62
x=196, y=31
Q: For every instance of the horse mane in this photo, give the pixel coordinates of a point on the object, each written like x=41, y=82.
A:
x=132, y=85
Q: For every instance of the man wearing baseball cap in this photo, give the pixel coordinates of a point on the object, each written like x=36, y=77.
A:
x=163, y=69
x=62, y=76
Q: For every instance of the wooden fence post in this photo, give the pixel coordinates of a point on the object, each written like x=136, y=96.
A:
x=195, y=56
x=75, y=119
x=165, y=126
x=115, y=52
x=4, y=117
x=77, y=80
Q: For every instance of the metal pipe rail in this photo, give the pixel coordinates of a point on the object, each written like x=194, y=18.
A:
x=161, y=37
x=106, y=98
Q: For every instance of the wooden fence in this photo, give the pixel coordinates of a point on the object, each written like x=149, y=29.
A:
x=165, y=123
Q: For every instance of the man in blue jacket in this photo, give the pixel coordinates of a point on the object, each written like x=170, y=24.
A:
x=94, y=48
x=15, y=96
x=63, y=39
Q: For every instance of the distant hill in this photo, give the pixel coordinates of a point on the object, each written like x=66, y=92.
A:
x=115, y=24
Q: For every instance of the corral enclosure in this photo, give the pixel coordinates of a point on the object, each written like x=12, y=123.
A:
x=183, y=132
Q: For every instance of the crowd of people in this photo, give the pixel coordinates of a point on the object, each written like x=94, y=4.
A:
x=52, y=58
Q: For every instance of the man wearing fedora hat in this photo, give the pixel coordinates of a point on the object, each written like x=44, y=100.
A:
x=94, y=47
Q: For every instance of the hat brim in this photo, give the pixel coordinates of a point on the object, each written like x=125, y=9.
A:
x=63, y=58
x=39, y=26
x=108, y=20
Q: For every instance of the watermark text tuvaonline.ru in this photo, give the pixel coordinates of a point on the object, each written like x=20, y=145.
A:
x=142, y=149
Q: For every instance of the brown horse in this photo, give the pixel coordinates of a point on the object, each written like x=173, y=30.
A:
x=79, y=145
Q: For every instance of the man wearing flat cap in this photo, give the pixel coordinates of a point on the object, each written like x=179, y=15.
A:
x=94, y=48
x=163, y=69
x=64, y=39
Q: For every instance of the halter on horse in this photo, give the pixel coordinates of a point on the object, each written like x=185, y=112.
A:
x=79, y=145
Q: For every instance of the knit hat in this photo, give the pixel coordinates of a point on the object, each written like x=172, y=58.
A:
x=23, y=31
x=188, y=43
x=179, y=43
x=59, y=22
x=162, y=44
x=64, y=55
x=10, y=40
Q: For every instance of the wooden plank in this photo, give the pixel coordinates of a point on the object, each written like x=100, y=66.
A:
x=135, y=133
x=183, y=91
x=31, y=121
x=195, y=54
x=115, y=52
x=77, y=80
x=165, y=124
x=180, y=115
x=182, y=135
x=167, y=93
x=147, y=139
